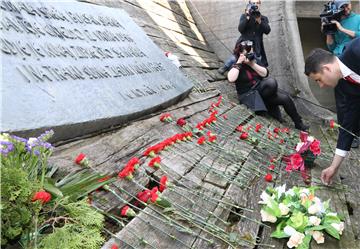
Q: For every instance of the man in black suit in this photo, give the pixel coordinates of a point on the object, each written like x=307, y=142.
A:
x=343, y=74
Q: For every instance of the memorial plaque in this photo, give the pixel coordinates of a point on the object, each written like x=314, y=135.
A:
x=78, y=67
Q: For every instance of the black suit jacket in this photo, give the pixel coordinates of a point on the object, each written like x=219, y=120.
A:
x=348, y=107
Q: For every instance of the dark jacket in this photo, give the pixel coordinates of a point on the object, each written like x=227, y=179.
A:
x=350, y=109
x=250, y=30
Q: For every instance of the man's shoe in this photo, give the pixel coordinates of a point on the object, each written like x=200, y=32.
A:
x=222, y=70
x=302, y=127
x=355, y=143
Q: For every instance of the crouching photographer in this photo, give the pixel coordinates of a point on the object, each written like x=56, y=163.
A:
x=255, y=89
x=252, y=26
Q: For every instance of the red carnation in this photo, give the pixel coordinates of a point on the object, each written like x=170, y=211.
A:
x=268, y=177
x=201, y=140
x=288, y=167
x=165, y=117
x=258, y=127
x=42, y=196
x=225, y=116
x=127, y=212
x=244, y=135
x=181, y=122
x=114, y=246
x=296, y=161
x=104, y=179
x=212, y=139
x=273, y=160
x=163, y=183
x=285, y=130
x=126, y=172
x=333, y=124
x=154, y=195
x=155, y=162
x=249, y=127
x=144, y=196
x=271, y=167
x=134, y=162
x=281, y=141
x=276, y=130
x=82, y=160
x=315, y=147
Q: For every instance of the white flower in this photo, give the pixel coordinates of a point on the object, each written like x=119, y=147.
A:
x=310, y=139
x=265, y=216
x=283, y=209
x=4, y=137
x=265, y=198
x=289, y=230
x=318, y=237
x=338, y=226
x=295, y=240
x=290, y=192
x=313, y=209
x=280, y=190
x=32, y=141
x=298, y=146
x=304, y=192
x=314, y=221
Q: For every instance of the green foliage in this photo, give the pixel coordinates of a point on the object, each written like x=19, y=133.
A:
x=16, y=206
x=82, y=230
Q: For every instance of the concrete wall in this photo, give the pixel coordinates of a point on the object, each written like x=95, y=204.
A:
x=282, y=45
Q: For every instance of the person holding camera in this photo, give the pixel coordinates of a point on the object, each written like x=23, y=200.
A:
x=347, y=28
x=343, y=74
x=252, y=26
x=252, y=81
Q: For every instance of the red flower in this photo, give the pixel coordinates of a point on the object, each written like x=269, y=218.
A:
x=285, y=130
x=268, y=177
x=104, y=179
x=333, y=124
x=42, y=196
x=288, y=167
x=134, y=162
x=127, y=212
x=281, y=141
x=239, y=128
x=272, y=160
x=296, y=161
x=163, y=182
x=181, y=122
x=225, y=116
x=126, y=172
x=276, y=130
x=144, y=196
x=244, y=135
x=154, y=195
x=155, y=162
x=315, y=147
x=271, y=167
x=212, y=139
x=303, y=136
x=165, y=117
x=114, y=246
x=201, y=140
x=258, y=127
x=249, y=127
x=81, y=160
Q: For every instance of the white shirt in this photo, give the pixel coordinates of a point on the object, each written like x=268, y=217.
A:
x=345, y=71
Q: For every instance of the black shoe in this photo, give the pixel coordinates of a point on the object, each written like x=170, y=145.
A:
x=301, y=126
x=222, y=70
x=355, y=143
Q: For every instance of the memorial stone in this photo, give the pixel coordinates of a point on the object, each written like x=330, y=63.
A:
x=78, y=68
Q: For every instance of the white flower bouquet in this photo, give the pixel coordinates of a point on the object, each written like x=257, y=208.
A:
x=299, y=215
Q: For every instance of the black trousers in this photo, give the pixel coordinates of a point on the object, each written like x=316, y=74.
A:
x=268, y=89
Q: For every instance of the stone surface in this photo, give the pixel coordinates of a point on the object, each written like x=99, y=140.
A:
x=84, y=68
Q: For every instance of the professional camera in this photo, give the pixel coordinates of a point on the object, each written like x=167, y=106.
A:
x=250, y=56
x=247, y=46
x=330, y=13
x=253, y=10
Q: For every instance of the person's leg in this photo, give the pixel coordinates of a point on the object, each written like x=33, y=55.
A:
x=228, y=64
x=268, y=90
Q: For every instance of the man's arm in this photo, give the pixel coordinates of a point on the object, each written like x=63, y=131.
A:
x=244, y=20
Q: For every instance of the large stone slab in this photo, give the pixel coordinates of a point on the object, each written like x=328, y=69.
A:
x=78, y=67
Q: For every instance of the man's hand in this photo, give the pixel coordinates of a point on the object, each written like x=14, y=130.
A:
x=327, y=175
x=338, y=25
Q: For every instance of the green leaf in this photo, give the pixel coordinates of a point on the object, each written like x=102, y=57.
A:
x=49, y=186
x=332, y=231
x=163, y=202
x=331, y=219
x=168, y=210
x=279, y=235
x=305, y=243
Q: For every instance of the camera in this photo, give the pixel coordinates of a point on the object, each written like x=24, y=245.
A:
x=247, y=46
x=253, y=10
x=330, y=13
x=250, y=56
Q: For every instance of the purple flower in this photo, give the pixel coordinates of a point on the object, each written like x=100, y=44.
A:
x=46, y=135
x=20, y=139
x=47, y=145
x=6, y=147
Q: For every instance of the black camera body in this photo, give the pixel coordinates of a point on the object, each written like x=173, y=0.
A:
x=253, y=10
x=330, y=13
x=250, y=56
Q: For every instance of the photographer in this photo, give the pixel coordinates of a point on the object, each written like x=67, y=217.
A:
x=249, y=76
x=252, y=26
x=347, y=28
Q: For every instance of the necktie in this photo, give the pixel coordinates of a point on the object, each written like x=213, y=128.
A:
x=351, y=80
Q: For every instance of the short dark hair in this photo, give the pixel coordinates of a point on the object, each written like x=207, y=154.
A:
x=316, y=58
